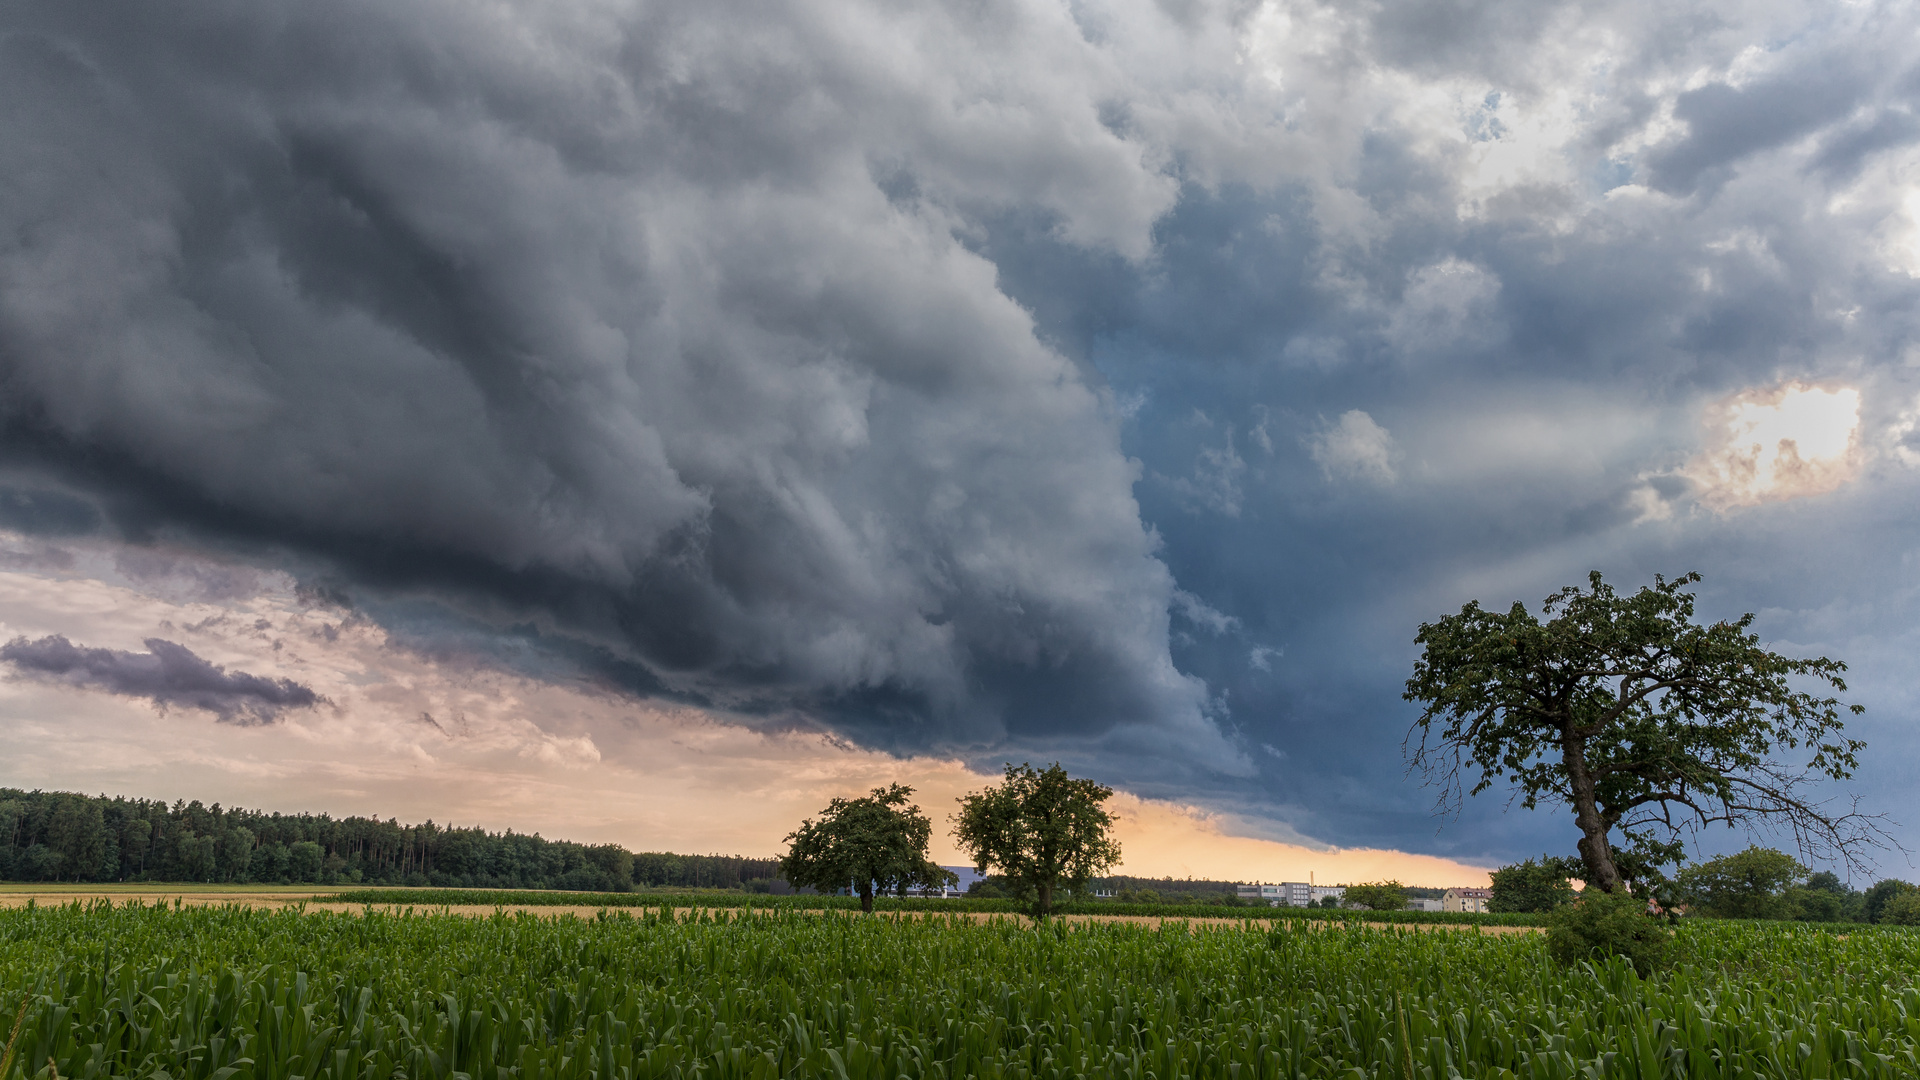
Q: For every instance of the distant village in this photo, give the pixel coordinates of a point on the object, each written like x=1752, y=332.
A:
x=1299, y=894
x=1306, y=894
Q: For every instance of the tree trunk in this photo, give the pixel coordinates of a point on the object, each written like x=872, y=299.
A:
x=866, y=897
x=1595, y=852
x=1046, y=900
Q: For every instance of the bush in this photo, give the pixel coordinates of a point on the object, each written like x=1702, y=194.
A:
x=1600, y=925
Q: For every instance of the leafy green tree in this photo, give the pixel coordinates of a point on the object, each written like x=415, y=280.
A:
x=1903, y=909
x=40, y=863
x=197, y=857
x=270, y=862
x=1329, y=902
x=1812, y=905
x=1044, y=830
x=236, y=853
x=1534, y=886
x=616, y=862
x=1881, y=894
x=1637, y=718
x=1824, y=898
x=1378, y=896
x=135, y=833
x=877, y=842
x=77, y=830
x=1749, y=884
x=987, y=888
x=304, y=859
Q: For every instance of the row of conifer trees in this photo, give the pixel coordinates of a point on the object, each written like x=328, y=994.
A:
x=63, y=836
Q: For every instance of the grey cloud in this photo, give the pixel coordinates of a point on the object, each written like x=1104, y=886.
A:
x=808, y=361
x=1727, y=123
x=607, y=321
x=169, y=675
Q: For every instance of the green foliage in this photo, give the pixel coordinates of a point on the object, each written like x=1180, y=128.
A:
x=1043, y=830
x=1814, y=905
x=1533, y=886
x=1750, y=884
x=430, y=899
x=1903, y=909
x=988, y=888
x=1377, y=896
x=1642, y=721
x=1873, y=908
x=48, y=836
x=876, y=842
x=1602, y=925
x=236, y=994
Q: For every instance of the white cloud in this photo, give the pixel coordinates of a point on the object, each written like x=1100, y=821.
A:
x=1772, y=443
x=1355, y=448
x=1202, y=614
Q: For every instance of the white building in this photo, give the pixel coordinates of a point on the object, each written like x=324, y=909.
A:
x=1292, y=893
x=1466, y=900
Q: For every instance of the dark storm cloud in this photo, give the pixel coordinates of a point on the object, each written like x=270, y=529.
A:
x=169, y=675
x=609, y=321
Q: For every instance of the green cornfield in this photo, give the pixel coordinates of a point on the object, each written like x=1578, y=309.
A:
x=227, y=993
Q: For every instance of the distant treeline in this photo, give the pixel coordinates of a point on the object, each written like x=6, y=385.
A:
x=61, y=836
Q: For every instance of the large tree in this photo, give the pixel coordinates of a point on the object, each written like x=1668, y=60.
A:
x=1750, y=884
x=1044, y=831
x=1640, y=719
x=874, y=843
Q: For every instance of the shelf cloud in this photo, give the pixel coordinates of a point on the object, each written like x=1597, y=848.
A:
x=588, y=319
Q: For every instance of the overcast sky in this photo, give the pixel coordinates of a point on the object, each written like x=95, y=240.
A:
x=644, y=421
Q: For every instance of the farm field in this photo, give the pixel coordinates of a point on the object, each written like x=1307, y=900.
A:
x=489, y=901
x=237, y=992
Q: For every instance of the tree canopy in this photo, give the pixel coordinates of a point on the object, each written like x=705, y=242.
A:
x=1377, y=896
x=1750, y=884
x=1044, y=831
x=1640, y=719
x=1533, y=886
x=874, y=843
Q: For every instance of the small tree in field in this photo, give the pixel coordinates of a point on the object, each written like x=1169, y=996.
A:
x=1044, y=830
x=1636, y=717
x=878, y=842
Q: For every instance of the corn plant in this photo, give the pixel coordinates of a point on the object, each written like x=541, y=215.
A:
x=233, y=993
